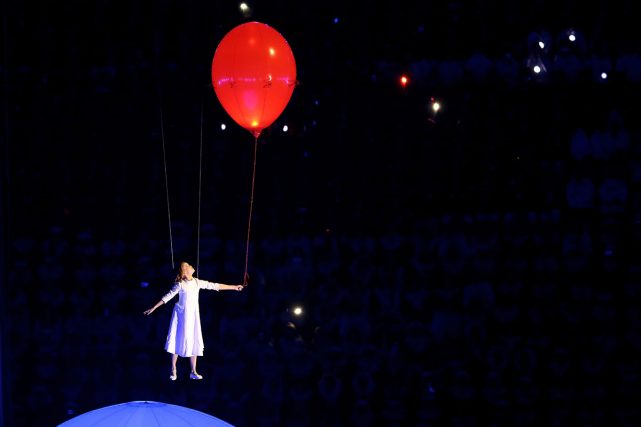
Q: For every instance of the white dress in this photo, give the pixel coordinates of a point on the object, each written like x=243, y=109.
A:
x=185, y=338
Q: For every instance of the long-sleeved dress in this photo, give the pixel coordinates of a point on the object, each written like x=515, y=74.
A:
x=185, y=338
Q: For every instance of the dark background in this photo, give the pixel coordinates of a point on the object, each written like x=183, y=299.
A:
x=478, y=266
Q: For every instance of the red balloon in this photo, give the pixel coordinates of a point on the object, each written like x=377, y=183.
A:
x=254, y=74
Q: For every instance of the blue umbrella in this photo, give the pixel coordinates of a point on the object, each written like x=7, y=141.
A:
x=144, y=414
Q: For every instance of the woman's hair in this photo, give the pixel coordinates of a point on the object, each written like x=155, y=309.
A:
x=179, y=272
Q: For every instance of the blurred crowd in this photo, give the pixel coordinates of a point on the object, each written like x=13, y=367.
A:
x=473, y=318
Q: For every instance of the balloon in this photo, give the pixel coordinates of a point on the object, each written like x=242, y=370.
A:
x=253, y=73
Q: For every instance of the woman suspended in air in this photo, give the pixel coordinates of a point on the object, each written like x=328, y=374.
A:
x=185, y=338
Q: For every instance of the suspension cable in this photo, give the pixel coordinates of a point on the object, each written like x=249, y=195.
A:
x=251, y=205
x=200, y=174
x=164, y=159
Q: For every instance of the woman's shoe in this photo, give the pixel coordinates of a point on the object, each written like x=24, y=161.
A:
x=173, y=375
x=195, y=376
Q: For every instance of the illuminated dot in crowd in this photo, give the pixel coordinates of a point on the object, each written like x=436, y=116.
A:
x=144, y=284
x=572, y=37
x=436, y=106
x=335, y=21
x=604, y=75
x=542, y=45
x=223, y=126
x=298, y=311
x=243, y=7
x=285, y=128
x=536, y=69
x=404, y=80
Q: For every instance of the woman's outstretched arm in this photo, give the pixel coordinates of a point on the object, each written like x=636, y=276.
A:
x=204, y=284
x=151, y=310
x=174, y=290
x=230, y=287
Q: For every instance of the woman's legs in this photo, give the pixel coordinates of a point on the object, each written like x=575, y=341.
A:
x=174, y=358
x=173, y=376
x=194, y=375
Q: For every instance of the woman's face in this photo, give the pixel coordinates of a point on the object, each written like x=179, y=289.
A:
x=186, y=269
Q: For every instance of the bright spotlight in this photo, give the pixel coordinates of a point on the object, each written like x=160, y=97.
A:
x=404, y=80
x=223, y=126
x=572, y=37
x=298, y=310
x=285, y=128
x=245, y=10
x=434, y=105
x=542, y=45
x=536, y=69
x=604, y=75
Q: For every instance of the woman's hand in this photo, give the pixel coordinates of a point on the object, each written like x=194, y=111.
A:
x=238, y=287
x=151, y=310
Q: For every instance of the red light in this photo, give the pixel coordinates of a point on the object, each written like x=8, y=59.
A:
x=404, y=81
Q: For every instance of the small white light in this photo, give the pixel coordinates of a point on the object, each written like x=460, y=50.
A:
x=604, y=75
x=285, y=128
x=436, y=106
x=223, y=126
x=298, y=311
x=572, y=37
x=243, y=7
x=542, y=45
x=537, y=69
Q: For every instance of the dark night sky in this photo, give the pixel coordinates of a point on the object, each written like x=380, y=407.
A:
x=84, y=82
